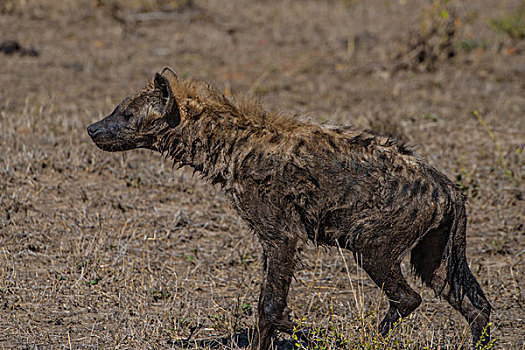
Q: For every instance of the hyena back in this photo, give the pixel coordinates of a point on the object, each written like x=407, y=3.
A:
x=293, y=181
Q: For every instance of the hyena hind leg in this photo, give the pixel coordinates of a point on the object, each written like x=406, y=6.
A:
x=472, y=303
x=428, y=262
x=403, y=300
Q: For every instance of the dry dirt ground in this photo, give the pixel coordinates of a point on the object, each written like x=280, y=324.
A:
x=102, y=250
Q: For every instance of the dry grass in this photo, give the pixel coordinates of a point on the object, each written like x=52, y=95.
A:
x=103, y=250
x=67, y=7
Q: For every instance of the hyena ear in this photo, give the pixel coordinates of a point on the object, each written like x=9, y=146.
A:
x=171, y=107
x=168, y=72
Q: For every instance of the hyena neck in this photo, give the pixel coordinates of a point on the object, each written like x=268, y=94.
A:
x=211, y=138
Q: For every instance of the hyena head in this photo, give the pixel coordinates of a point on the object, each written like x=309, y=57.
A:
x=140, y=119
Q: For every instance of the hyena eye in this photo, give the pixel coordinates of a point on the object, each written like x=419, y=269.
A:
x=127, y=114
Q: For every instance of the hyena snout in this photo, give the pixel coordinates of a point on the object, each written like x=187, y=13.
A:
x=106, y=133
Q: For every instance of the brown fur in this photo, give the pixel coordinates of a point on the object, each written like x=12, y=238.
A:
x=293, y=181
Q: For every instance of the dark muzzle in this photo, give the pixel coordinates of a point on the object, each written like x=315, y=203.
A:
x=95, y=129
x=106, y=134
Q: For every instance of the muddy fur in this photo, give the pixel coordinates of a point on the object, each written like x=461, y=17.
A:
x=294, y=182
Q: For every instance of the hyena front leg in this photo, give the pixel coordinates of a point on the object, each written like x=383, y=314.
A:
x=278, y=268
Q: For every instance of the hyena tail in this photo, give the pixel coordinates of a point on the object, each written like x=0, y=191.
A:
x=440, y=260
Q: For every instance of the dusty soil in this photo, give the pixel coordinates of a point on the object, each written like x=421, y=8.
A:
x=102, y=250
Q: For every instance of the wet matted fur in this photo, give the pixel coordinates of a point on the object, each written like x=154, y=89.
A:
x=294, y=181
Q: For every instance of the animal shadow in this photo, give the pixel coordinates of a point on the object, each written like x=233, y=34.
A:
x=240, y=340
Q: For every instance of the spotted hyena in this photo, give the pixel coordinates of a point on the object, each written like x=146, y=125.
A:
x=293, y=181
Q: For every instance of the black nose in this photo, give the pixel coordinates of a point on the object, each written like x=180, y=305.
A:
x=92, y=130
